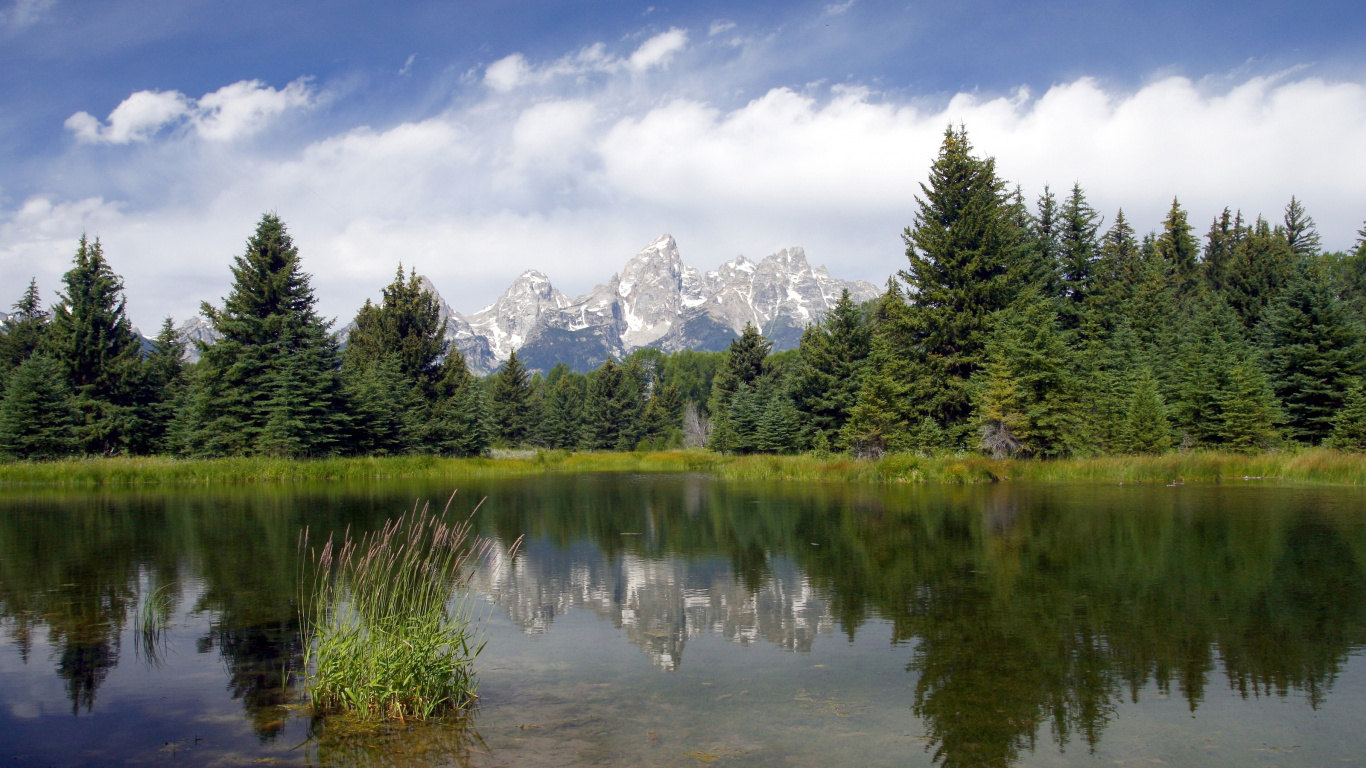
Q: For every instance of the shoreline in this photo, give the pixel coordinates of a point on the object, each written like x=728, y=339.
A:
x=1309, y=466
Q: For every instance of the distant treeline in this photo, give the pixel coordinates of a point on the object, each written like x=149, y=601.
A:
x=1015, y=331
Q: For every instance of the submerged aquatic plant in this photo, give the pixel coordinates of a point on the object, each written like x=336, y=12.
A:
x=388, y=628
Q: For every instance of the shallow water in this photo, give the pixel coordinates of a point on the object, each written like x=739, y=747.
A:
x=679, y=620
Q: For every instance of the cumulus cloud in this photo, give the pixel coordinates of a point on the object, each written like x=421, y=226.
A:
x=576, y=174
x=229, y=113
x=659, y=50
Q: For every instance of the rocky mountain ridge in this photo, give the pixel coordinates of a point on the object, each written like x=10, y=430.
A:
x=655, y=301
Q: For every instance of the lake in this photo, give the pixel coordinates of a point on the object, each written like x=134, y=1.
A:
x=680, y=620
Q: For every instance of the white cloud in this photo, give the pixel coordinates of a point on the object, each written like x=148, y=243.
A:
x=506, y=73
x=835, y=9
x=571, y=165
x=719, y=26
x=137, y=118
x=229, y=113
x=659, y=50
x=24, y=13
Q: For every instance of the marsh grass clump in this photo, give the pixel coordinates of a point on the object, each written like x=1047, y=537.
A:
x=388, y=629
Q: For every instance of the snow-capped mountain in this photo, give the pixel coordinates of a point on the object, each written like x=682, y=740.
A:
x=655, y=301
x=196, y=329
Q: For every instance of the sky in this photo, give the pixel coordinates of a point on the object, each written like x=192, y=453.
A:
x=473, y=141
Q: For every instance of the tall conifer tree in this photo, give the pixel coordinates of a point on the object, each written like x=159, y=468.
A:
x=270, y=384
x=1178, y=248
x=91, y=338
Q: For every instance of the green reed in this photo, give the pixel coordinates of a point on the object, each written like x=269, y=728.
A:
x=388, y=626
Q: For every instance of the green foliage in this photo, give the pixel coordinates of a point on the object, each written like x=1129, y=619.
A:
x=382, y=637
x=1301, y=234
x=1178, y=249
x=828, y=375
x=968, y=260
x=1028, y=399
x=22, y=332
x=406, y=326
x=564, y=417
x=1349, y=426
x=743, y=367
x=270, y=385
x=1078, y=252
x=1249, y=410
x=613, y=407
x=1313, y=353
x=92, y=340
x=1260, y=265
x=37, y=417
x=510, y=401
x=1145, y=429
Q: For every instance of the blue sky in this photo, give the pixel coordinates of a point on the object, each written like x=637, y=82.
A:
x=479, y=139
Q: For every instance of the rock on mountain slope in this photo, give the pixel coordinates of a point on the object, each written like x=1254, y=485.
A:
x=656, y=301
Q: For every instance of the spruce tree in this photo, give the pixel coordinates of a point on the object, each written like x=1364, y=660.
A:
x=385, y=408
x=611, y=408
x=1046, y=231
x=565, y=391
x=1077, y=256
x=270, y=384
x=1349, y=426
x=744, y=364
x=37, y=416
x=968, y=259
x=885, y=416
x=1210, y=342
x=1313, y=353
x=777, y=426
x=1178, y=248
x=1300, y=232
x=91, y=338
x=1259, y=267
x=832, y=357
x=163, y=388
x=509, y=400
x=1249, y=410
x=22, y=332
x=406, y=325
x=1118, y=271
x=460, y=423
x=1225, y=233
x=1146, y=428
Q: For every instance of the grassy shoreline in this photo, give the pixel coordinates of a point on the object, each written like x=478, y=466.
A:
x=1315, y=466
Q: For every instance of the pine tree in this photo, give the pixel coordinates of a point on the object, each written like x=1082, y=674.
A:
x=565, y=392
x=1118, y=271
x=1349, y=426
x=1146, y=429
x=459, y=421
x=776, y=429
x=884, y=416
x=1000, y=412
x=744, y=364
x=1178, y=248
x=1077, y=256
x=509, y=400
x=1225, y=234
x=1046, y=233
x=1259, y=267
x=37, y=416
x=1300, y=233
x=22, y=332
x=1313, y=353
x=163, y=388
x=1210, y=342
x=270, y=384
x=968, y=259
x=384, y=407
x=611, y=409
x=832, y=357
x=1031, y=385
x=91, y=338
x=1249, y=410
x=407, y=325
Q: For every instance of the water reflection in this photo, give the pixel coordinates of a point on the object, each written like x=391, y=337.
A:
x=1020, y=613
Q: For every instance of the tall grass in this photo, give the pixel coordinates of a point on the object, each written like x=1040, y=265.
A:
x=1305, y=466
x=388, y=630
x=123, y=471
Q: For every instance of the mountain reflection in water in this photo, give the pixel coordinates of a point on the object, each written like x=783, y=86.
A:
x=1016, y=611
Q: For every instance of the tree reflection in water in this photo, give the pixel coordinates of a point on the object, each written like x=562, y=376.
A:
x=1019, y=607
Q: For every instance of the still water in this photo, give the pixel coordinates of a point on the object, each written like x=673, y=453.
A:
x=678, y=620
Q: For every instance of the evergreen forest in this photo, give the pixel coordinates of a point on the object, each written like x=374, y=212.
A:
x=1016, y=329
